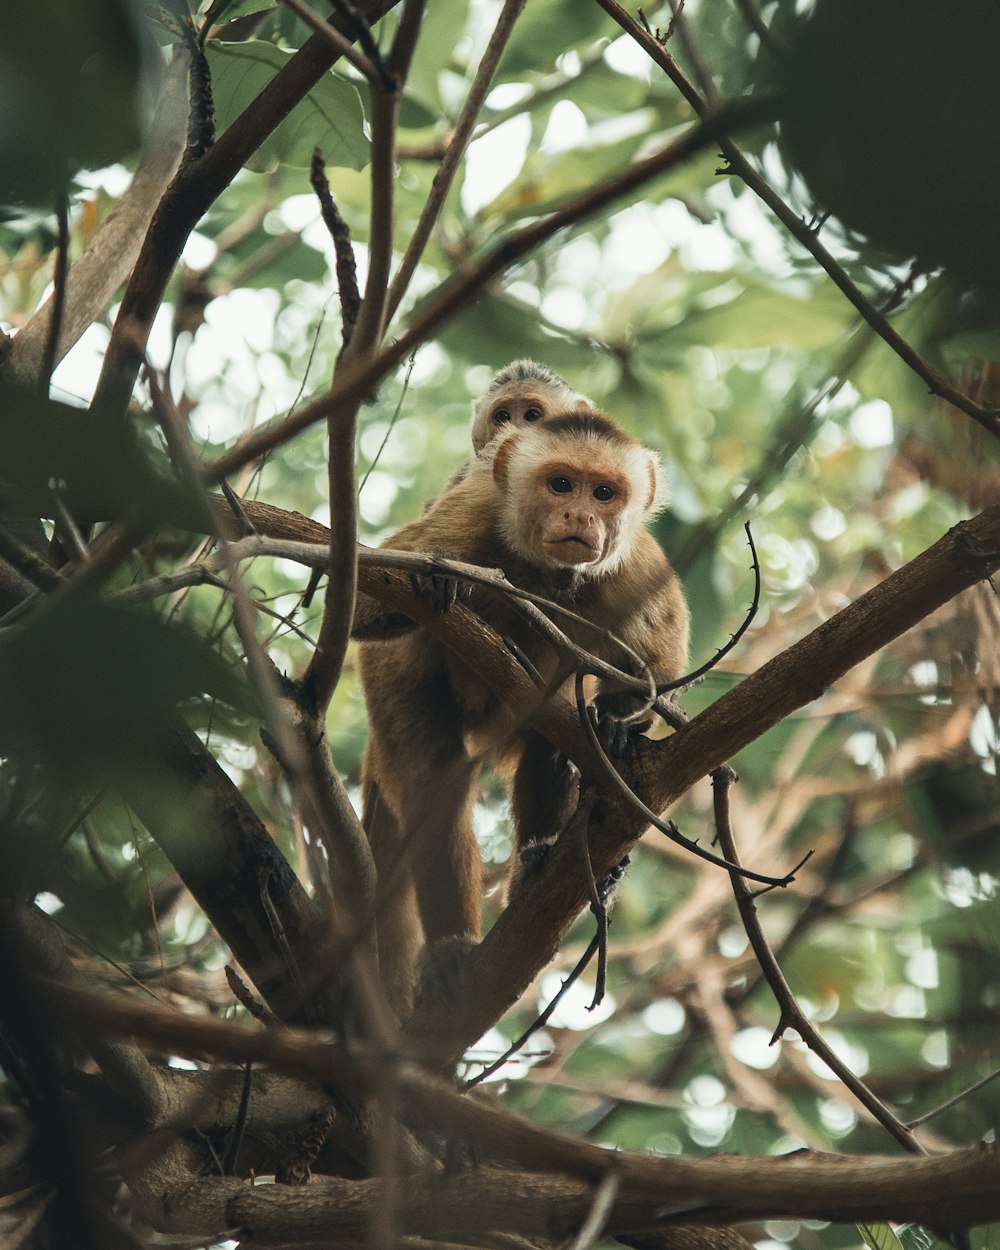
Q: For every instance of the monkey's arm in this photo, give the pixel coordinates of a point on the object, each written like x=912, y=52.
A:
x=655, y=627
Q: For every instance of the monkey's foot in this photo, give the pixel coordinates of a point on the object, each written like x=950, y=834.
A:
x=615, y=736
x=532, y=855
x=527, y=862
x=607, y=885
x=439, y=590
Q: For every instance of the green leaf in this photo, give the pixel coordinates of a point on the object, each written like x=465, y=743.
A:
x=546, y=183
x=759, y=316
x=94, y=463
x=880, y=1237
x=330, y=117
x=71, y=75
x=92, y=689
x=547, y=31
x=440, y=30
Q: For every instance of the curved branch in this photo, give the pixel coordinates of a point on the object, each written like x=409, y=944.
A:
x=504, y=964
x=792, y=1016
x=454, y=153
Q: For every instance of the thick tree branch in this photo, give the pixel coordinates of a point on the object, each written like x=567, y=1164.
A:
x=528, y=933
x=954, y=1190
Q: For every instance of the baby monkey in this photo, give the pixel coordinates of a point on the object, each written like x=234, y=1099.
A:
x=521, y=393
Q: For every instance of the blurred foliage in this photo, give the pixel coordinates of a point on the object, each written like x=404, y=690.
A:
x=692, y=318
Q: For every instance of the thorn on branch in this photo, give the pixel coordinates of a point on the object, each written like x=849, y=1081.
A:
x=201, y=107
x=347, y=273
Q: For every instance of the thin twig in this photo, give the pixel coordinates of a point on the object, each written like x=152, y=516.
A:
x=458, y=142
x=239, y=1124
x=362, y=32
x=665, y=826
x=314, y=555
x=791, y=1014
x=605, y=1197
x=542, y=1019
x=663, y=687
x=953, y=1102
x=60, y=275
x=342, y=46
x=327, y=661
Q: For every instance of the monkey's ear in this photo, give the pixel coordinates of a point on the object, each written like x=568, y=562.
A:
x=583, y=405
x=658, y=494
x=501, y=457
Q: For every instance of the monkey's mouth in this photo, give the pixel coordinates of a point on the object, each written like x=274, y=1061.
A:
x=572, y=549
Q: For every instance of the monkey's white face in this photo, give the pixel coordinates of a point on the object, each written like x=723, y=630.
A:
x=573, y=513
x=574, y=492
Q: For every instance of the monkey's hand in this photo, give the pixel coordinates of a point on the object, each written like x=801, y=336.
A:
x=440, y=590
x=615, y=735
x=444, y=970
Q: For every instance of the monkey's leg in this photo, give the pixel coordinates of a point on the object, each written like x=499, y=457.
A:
x=543, y=799
x=443, y=853
x=397, y=919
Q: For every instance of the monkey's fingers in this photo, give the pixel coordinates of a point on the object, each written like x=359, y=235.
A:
x=437, y=590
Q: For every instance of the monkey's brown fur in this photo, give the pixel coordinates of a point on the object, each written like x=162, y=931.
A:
x=562, y=509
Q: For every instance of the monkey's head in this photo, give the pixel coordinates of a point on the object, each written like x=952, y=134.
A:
x=575, y=491
x=522, y=393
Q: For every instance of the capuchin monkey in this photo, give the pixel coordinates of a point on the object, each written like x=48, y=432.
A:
x=561, y=506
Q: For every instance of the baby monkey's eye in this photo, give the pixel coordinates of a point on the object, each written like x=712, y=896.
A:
x=501, y=416
x=561, y=485
x=532, y=414
x=604, y=493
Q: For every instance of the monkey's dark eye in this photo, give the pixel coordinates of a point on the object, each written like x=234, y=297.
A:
x=501, y=416
x=561, y=485
x=604, y=493
x=532, y=414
